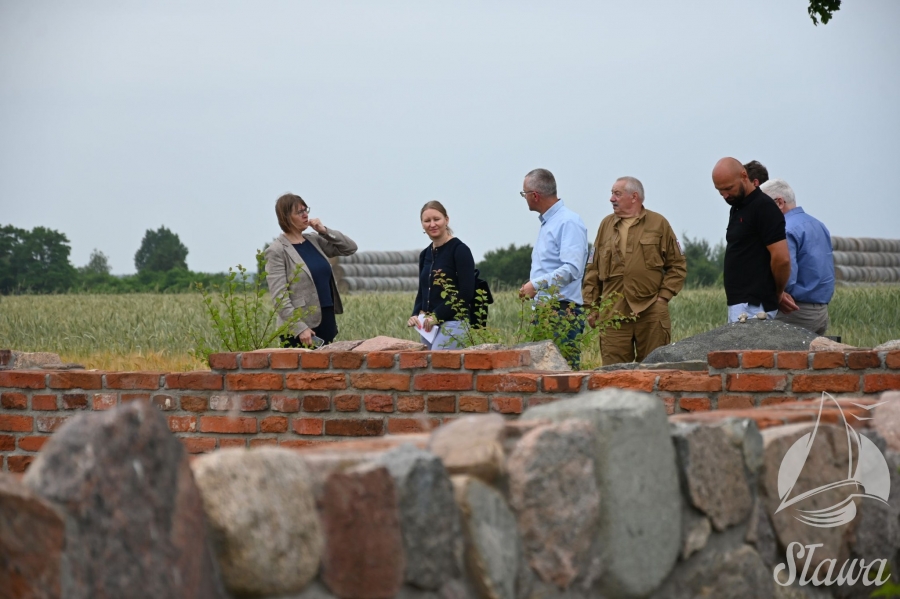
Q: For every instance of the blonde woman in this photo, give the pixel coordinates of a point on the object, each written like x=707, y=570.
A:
x=314, y=291
x=448, y=255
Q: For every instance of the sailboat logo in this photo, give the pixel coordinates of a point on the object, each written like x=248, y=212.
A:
x=868, y=475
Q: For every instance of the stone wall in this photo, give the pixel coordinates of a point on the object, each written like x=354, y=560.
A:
x=296, y=398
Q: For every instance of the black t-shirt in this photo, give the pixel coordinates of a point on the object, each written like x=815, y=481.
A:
x=319, y=270
x=753, y=225
x=455, y=260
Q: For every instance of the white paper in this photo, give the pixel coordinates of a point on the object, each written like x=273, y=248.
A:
x=427, y=336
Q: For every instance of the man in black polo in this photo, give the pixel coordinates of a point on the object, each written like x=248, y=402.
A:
x=757, y=260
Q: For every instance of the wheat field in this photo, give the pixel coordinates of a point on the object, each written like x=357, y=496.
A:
x=157, y=331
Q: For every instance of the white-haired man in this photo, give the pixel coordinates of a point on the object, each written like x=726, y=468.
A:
x=811, y=283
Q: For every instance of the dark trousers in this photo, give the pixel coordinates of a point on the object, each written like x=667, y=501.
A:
x=326, y=330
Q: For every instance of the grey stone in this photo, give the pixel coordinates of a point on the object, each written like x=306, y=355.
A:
x=32, y=538
x=695, y=531
x=826, y=344
x=886, y=419
x=619, y=366
x=493, y=547
x=736, y=573
x=640, y=500
x=712, y=472
x=545, y=356
x=135, y=525
x=262, y=511
x=685, y=365
x=471, y=445
x=382, y=343
x=761, y=535
x=553, y=490
x=892, y=345
x=486, y=347
x=753, y=334
x=744, y=434
x=348, y=345
x=429, y=518
x=34, y=360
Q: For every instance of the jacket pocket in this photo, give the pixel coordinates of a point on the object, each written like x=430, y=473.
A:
x=604, y=255
x=651, y=251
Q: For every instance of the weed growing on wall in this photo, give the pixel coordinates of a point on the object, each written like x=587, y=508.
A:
x=472, y=335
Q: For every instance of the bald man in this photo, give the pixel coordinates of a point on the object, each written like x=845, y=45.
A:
x=757, y=259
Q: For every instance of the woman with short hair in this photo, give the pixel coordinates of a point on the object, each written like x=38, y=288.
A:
x=313, y=291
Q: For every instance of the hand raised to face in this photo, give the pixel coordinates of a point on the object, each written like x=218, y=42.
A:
x=317, y=226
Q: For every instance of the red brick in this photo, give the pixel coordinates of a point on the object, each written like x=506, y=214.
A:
x=758, y=359
x=227, y=424
x=381, y=381
x=224, y=361
x=32, y=443
x=14, y=401
x=133, y=380
x=881, y=382
x=194, y=403
x=370, y=427
x=539, y=400
x=690, y=381
x=264, y=381
x=442, y=403
x=259, y=442
x=208, y=381
x=379, y=403
x=23, y=380
x=380, y=359
x=413, y=359
x=755, y=382
x=693, y=404
x=274, y=424
x=284, y=360
x=827, y=359
x=308, y=426
x=74, y=401
x=347, y=360
x=446, y=359
x=347, y=403
x=135, y=397
x=75, y=380
x=774, y=400
x=507, y=405
x=807, y=383
x=316, y=381
x=183, y=424
x=411, y=403
x=254, y=403
x=562, y=383
x=668, y=402
x=479, y=360
x=311, y=359
x=44, y=403
x=506, y=383
x=473, y=403
x=254, y=360
x=625, y=379
x=200, y=444
x=22, y=424
x=793, y=360
x=7, y=443
x=316, y=403
x=5, y=357
x=723, y=359
x=283, y=403
x=19, y=463
x=509, y=359
x=102, y=401
x=164, y=402
x=48, y=424
x=400, y=426
x=735, y=402
x=892, y=359
x=232, y=442
x=859, y=360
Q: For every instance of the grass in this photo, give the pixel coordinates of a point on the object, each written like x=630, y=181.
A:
x=155, y=331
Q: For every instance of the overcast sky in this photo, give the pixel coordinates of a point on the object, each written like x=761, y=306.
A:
x=118, y=117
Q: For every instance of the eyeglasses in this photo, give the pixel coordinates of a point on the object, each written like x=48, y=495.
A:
x=524, y=194
x=302, y=211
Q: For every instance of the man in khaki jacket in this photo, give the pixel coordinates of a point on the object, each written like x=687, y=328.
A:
x=637, y=256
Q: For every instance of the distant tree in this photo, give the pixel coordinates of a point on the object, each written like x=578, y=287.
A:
x=705, y=264
x=36, y=260
x=824, y=9
x=508, y=266
x=160, y=251
x=98, y=264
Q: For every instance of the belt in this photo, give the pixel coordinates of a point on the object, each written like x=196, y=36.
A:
x=567, y=304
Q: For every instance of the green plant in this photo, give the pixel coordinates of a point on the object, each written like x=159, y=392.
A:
x=472, y=335
x=242, y=316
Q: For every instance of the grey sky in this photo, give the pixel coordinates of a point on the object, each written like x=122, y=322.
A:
x=116, y=117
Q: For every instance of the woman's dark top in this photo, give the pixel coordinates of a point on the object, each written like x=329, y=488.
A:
x=454, y=259
x=319, y=269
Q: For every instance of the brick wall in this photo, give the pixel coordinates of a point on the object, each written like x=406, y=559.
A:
x=294, y=398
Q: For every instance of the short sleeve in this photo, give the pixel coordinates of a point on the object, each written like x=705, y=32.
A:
x=770, y=222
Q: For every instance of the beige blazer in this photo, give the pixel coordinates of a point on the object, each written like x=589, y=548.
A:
x=282, y=259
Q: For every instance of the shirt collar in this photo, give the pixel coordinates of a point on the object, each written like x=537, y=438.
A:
x=639, y=216
x=551, y=212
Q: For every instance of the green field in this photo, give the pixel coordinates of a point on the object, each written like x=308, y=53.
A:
x=155, y=331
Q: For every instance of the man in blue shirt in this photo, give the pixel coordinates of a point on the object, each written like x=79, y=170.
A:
x=560, y=254
x=811, y=283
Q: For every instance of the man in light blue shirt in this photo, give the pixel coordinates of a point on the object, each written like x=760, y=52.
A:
x=811, y=283
x=560, y=254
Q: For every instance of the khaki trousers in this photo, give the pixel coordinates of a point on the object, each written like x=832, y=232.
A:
x=635, y=339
